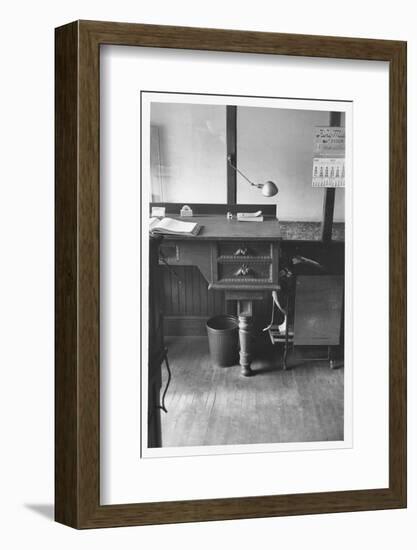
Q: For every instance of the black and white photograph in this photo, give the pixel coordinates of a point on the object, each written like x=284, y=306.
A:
x=248, y=302
x=208, y=262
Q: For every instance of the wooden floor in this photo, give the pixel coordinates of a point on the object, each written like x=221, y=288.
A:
x=216, y=406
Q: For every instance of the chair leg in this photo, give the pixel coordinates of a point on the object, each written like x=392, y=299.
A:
x=284, y=357
x=330, y=357
x=286, y=345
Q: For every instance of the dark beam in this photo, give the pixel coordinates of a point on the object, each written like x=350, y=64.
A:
x=330, y=192
x=231, y=138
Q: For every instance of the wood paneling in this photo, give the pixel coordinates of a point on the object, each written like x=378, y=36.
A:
x=185, y=325
x=184, y=293
x=188, y=303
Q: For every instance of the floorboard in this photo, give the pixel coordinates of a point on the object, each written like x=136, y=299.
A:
x=216, y=406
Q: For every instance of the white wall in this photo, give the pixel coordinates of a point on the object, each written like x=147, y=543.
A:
x=192, y=145
x=188, y=154
x=26, y=289
x=277, y=145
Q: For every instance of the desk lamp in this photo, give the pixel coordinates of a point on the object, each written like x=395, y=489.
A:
x=269, y=188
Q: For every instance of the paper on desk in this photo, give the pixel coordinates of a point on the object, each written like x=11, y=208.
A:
x=171, y=226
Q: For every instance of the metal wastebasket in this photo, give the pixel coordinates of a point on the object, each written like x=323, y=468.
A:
x=223, y=339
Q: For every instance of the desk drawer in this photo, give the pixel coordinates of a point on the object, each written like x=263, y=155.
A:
x=238, y=249
x=245, y=272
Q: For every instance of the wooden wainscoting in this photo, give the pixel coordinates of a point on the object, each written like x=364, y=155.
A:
x=187, y=302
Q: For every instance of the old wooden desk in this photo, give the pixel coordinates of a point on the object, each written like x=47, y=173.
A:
x=240, y=258
x=263, y=248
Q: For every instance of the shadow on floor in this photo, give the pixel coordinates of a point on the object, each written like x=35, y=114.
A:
x=45, y=510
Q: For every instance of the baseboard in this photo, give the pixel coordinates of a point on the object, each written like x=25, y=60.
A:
x=185, y=326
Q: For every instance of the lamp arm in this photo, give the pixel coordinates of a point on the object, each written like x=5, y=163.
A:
x=236, y=169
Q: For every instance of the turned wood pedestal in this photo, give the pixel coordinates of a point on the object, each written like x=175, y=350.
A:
x=245, y=340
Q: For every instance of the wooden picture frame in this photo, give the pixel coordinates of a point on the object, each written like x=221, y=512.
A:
x=77, y=405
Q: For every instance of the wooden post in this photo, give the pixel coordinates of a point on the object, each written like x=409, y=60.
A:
x=328, y=203
x=231, y=139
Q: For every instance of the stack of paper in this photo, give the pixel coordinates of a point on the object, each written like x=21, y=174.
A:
x=169, y=226
x=250, y=216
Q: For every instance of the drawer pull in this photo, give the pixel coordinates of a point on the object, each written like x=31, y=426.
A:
x=244, y=271
x=241, y=252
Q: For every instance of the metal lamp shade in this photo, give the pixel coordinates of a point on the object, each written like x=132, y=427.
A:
x=269, y=189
